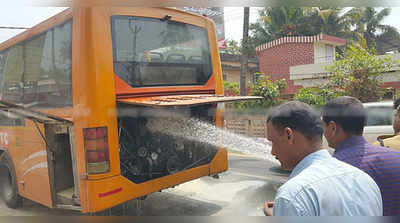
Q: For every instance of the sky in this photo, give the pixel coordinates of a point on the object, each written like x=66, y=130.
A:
x=29, y=16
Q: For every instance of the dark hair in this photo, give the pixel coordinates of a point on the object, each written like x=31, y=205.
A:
x=396, y=103
x=297, y=116
x=346, y=111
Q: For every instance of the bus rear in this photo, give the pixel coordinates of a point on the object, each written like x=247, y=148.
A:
x=158, y=54
x=168, y=90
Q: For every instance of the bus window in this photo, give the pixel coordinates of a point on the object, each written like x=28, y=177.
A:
x=3, y=58
x=12, y=90
x=152, y=52
x=32, y=56
x=55, y=83
x=38, y=72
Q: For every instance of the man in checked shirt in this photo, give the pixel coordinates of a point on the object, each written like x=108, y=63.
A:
x=343, y=122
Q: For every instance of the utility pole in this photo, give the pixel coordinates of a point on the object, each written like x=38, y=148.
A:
x=12, y=27
x=245, y=52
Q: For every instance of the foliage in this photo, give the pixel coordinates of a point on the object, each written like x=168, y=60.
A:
x=231, y=88
x=358, y=73
x=233, y=47
x=357, y=24
x=368, y=24
x=276, y=22
x=269, y=91
x=317, y=96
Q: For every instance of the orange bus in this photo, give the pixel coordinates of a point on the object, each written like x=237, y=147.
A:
x=79, y=92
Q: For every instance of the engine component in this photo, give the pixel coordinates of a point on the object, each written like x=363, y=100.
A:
x=179, y=146
x=137, y=167
x=154, y=156
x=173, y=165
x=146, y=154
x=142, y=152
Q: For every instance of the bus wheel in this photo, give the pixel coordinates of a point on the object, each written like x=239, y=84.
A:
x=8, y=183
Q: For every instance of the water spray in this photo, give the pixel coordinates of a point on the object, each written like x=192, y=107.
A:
x=203, y=132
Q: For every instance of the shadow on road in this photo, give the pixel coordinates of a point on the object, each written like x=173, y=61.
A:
x=167, y=204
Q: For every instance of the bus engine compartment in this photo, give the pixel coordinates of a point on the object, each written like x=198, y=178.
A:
x=154, y=142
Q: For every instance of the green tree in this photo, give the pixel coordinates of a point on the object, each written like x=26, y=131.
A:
x=268, y=89
x=317, y=96
x=331, y=21
x=368, y=24
x=276, y=22
x=358, y=73
x=231, y=88
x=233, y=47
x=357, y=24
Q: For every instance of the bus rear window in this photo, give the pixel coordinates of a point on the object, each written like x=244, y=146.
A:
x=151, y=52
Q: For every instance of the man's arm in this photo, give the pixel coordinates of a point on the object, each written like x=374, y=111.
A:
x=286, y=207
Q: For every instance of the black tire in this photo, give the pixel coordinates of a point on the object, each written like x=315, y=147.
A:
x=8, y=183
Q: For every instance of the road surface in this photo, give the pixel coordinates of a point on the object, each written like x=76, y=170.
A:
x=240, y=191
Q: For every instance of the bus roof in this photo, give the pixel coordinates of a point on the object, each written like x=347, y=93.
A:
x=37, y=29
x=66, y=14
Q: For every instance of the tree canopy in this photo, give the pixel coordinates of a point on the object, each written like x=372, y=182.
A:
x=368, y=23
x=358, y=73
x=356, y=24
x=233, y=47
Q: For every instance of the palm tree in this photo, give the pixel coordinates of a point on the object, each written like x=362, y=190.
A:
x=276, y=22
x=368, y=23
x=283, y=21
x=331, y=21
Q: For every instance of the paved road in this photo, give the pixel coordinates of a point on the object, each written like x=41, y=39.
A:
x=241, y=191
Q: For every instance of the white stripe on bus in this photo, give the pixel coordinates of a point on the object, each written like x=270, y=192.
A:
x=36, y=154
x=36, y=166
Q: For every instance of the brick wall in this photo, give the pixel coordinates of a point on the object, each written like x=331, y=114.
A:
x=393, y=84
x=277, y=60
x=249, y=126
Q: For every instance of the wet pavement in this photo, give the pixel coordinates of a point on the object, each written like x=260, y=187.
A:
x=240, y=191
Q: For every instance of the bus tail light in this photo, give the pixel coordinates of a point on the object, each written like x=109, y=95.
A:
x=96, y=147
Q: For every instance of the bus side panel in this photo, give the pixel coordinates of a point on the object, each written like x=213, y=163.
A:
x=28, y=152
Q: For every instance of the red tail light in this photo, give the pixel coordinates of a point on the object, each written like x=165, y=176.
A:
x=96, y=147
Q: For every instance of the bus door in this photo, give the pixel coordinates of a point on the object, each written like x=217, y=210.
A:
x=44, y=175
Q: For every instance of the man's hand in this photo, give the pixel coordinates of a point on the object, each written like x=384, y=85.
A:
x=267, y=208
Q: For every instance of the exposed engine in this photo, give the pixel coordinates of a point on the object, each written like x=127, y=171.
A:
x=148, y=151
